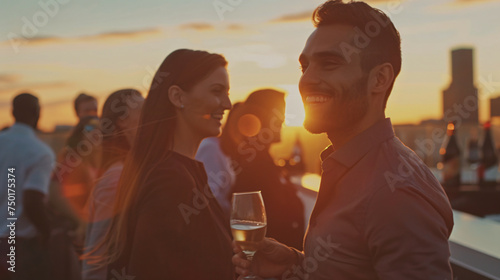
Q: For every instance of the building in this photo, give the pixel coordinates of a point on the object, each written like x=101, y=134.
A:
x=495, y=107
x=460, y=99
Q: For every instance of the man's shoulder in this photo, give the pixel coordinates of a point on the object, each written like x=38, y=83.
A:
x=400, y=170
x=41, y=148
x=394, y=165
x=31, y=147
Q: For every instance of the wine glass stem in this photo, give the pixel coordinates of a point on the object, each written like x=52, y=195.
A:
x=249, y=255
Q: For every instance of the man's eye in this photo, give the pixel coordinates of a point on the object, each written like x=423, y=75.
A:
x=330, y=63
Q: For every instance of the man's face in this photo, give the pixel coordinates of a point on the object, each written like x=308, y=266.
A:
x=333, y=86
x=87, y=109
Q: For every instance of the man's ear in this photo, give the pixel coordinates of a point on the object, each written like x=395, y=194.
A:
x=175, y=95
x=381, y=78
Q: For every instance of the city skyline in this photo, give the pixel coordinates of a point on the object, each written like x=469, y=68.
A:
x=99, y=47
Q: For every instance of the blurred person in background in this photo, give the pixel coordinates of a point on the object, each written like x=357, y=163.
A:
x=168, y=223
x=73, y=179
x=25, y=164
x=260, y=124
x=119, y=120
x=221, y=169
x=78, y=164
x=85, y=106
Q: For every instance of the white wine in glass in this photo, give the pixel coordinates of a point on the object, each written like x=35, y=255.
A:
x=248, y=222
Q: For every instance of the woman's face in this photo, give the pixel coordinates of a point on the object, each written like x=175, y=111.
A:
x=205, y=103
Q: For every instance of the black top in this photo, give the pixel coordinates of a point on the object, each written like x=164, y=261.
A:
x=284, y=209
x=176, y=228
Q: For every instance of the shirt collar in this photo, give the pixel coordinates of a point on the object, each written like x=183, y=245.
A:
x=358, y=146
x=22, y=128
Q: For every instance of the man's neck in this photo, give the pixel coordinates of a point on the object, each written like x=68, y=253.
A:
x=27, y=124
x=341, y=136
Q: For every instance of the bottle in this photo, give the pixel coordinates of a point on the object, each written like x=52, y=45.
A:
x=473, y=155
x=297, y=158
x=488, y=167
x=450, y=153
x=469, y=173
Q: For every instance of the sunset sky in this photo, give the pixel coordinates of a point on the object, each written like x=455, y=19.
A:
x=59, y=49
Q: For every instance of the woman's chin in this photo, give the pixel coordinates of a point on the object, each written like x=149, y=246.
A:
x=213, y=132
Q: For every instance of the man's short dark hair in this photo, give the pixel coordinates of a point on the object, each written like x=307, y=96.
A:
x=384, y=40
x=81, y=98
x=25, y=108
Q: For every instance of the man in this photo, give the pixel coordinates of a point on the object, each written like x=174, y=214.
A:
x=85, y=105
x=380, y=214
x=25, y=167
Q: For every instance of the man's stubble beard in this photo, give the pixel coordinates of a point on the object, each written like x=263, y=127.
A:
x=347, y=109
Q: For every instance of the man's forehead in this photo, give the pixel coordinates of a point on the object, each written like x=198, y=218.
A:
x=329, y=38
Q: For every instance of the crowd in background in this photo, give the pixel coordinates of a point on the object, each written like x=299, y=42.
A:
x=78, y=187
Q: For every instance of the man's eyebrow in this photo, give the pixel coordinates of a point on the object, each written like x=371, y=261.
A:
x=323, y=55
x=329, y=54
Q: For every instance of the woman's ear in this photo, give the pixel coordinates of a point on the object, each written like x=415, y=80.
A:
x=381, y=79
x=122, y=124
x=175, y=95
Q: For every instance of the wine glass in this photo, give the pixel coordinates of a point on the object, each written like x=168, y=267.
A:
x=248, y=222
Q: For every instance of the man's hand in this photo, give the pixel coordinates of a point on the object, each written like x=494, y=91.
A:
x=271, y=260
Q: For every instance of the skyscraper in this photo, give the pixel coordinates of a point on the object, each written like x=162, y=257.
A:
x=495, y=107
x=460, y=100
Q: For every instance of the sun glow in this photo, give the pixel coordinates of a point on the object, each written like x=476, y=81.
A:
x=294, y=114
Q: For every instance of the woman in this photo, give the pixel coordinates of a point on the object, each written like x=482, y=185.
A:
x=168, y=223
x=119, y=120
x=260, y=124
x=78, y=165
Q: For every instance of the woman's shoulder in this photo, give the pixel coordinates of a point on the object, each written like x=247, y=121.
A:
x=173, y=173
x=166, y=184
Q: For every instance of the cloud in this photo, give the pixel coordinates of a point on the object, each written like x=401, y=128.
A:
x=9, y=78
x=235, y=27
x=263, y=55
x=107, y=36
x=470, y=2
x=144, y=33
x=32, y=87
x=197, y=26
x=302, y=16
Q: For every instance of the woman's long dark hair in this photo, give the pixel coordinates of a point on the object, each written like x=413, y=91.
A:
x=155, y=133
x=115, y=144
x=85, y=125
